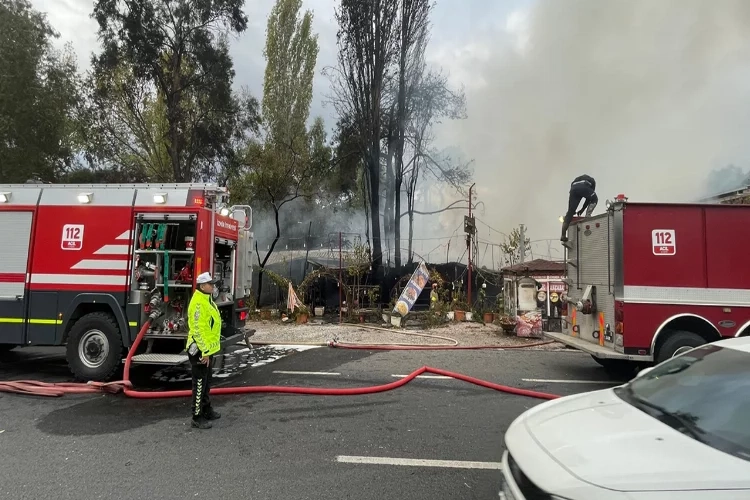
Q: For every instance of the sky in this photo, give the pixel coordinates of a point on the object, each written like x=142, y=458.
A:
x=647, y=96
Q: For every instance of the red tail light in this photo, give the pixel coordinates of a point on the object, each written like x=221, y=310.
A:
x=619, y=318
x=241, y=303
x=243, y=315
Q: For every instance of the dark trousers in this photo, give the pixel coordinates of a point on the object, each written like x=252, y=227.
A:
x=577, y=193
x=201, y=385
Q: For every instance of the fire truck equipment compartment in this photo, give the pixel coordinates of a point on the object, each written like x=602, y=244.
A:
x=666, y=277
x=79, y=270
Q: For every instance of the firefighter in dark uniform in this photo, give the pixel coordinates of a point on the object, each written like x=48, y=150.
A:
x=582, y=187
x=204, y=340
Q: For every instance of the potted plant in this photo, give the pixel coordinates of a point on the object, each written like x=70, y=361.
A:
x=459, y=309
x=507, y=323
x=488, y=317
x=303, y=313
x=265, y=314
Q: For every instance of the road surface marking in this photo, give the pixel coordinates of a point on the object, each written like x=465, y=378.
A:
x=415, y=462
x=608, y=382
x=425, y=376
x=290, y=372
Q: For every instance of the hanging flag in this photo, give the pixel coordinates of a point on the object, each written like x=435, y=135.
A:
x=292, y=300
x=413, y=289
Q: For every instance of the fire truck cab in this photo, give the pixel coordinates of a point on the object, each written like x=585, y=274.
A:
x=81, y=264
x=648, y=281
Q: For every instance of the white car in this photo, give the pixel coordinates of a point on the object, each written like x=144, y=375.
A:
x=679, y=430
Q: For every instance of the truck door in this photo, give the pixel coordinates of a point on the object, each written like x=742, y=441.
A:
x=15, y=226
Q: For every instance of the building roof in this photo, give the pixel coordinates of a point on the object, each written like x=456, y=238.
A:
x=738, y=195
x=536, y=266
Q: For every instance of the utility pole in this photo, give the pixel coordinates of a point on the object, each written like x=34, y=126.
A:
x=470, y=229
x=522, y=243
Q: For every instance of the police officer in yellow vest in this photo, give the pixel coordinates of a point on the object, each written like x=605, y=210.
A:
x=203, y=341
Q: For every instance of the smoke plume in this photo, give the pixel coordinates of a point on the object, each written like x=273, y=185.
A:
x=647, y=96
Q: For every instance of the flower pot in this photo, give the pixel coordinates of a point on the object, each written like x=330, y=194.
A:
x=450, y=315
x=469, y=315
x=265, y=314
x=460, y=315
x=489, y=317
x=301, y=318
x=319, y=311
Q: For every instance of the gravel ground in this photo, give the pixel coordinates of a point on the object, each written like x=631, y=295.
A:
x=466, y=334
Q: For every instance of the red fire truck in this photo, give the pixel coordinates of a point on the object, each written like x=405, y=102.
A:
x=648, y=281
x=82, y=264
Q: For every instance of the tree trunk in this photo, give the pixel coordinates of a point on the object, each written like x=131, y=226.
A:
x=270, y=251
x=411, y=235
x=388, y=210
x=411, y=190
x=374, y=173
x=406, y=23
x=174, y=111
x=397, y=222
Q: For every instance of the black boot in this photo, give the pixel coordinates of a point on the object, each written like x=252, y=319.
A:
x=201, y=423
x=210, y=414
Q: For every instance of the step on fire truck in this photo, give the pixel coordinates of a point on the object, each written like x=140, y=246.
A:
x=82, y=265
x=649, y=281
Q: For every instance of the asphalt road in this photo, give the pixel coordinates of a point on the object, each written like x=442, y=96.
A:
x=275, y=446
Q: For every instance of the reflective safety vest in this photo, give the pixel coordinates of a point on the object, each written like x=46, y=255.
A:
x=204, y=324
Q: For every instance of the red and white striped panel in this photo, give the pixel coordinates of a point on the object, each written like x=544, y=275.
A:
x=112, y=268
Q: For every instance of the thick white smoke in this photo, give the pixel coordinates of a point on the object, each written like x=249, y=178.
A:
x=647, y=96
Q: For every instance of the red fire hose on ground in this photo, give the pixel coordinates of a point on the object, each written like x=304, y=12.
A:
x=36, y=388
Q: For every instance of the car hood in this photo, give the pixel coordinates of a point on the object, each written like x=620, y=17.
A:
x=603, y=440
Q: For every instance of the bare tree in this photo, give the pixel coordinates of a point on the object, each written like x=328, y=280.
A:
x=414, y=35
x=367, y=46
x=511, y=247
x=432, y=100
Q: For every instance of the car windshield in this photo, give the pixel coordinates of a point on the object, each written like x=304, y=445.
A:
x=704, y=393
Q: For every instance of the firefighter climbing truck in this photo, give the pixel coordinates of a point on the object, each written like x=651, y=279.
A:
x=82, y=266
x=649, y=281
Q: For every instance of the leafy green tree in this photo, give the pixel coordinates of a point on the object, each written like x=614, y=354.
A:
x=179, y=47
x=290, y=162
x=291, y=52
x=128, y=126
x=39, y=97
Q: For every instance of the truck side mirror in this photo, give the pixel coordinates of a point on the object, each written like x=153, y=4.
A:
x=244, y=216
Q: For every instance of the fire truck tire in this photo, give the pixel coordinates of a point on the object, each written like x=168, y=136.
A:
x=676, y=343
x=94, y=348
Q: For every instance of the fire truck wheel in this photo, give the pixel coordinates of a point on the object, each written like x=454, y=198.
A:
x=94, y=348
x=677, y=343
